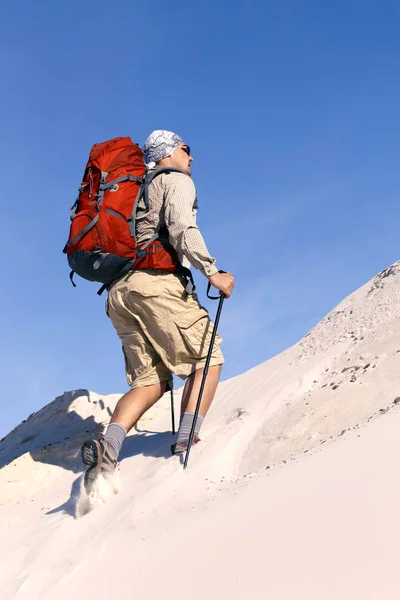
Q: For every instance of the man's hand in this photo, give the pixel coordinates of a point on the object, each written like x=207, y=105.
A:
x=224, y=282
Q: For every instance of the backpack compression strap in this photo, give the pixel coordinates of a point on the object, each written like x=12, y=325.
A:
x=103, y=188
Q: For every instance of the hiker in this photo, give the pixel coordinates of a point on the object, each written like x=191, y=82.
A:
x=162, y=326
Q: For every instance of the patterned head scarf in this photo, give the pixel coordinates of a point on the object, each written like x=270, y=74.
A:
x=159, y=144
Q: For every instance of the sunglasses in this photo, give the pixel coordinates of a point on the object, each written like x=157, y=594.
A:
x=186, y=149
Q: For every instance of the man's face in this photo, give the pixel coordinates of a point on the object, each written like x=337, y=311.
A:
x=180, y=158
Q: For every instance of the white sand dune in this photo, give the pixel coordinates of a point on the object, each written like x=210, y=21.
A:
x=292, y=493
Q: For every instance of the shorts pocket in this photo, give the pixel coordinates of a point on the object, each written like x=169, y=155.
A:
x=196, y=330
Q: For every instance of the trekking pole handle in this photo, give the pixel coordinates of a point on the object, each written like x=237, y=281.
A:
x=209, y=288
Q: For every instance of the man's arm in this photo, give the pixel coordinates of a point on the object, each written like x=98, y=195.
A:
x=180, y=220
x=185, y=236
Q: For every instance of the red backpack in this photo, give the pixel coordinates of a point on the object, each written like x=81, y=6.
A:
x=102, y=240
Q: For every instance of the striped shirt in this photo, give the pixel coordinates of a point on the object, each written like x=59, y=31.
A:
x=172, y=215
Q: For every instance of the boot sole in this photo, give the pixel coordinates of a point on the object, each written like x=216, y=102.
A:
x=91, y=457
x=91, y=453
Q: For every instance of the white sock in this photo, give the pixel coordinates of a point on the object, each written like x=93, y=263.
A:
x=115, y=436
x=185, y=427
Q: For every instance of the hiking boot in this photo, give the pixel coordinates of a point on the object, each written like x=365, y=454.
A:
x=98, y=459
x=179, y=448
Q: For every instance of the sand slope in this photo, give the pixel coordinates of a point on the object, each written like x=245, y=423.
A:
x=292, y=492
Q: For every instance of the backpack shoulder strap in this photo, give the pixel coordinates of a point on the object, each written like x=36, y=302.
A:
x=151, y=175
x=144, y=192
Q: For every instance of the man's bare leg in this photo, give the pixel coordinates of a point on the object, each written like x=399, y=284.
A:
x=192, y=388
x=132, y=405
x=189, y=400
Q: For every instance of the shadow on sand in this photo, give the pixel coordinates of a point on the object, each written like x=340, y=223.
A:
x=147, y=443
x=54, y=436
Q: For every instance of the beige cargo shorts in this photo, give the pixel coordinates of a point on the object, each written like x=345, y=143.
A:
x=163, y=330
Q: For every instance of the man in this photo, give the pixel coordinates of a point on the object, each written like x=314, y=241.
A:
x=162, y=326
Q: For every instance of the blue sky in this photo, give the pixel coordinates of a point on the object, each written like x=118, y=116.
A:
x=292, y=113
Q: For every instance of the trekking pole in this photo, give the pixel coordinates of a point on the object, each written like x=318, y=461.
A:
x=221, y=298
x=172, y=408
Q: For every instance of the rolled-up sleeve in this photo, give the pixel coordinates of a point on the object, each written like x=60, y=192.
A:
x=180, y=220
